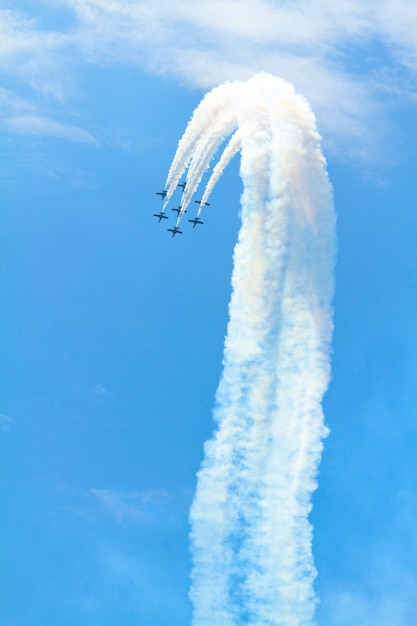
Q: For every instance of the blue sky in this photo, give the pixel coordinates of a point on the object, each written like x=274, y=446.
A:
x=112, y=332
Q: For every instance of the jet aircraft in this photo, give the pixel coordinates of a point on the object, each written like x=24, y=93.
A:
x=175, y=231
x=178, y=209
x=196, y=220
x=199, y=202
x=162, y=193
x=161, y=216
x=182, y=185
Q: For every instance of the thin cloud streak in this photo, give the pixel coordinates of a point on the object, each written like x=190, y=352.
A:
x=137, y=507
x=5, y=422
x=38, y=125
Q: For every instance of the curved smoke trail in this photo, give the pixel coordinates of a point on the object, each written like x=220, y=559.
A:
x=251, y=538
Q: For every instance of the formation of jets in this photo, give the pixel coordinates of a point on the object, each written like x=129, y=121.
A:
x=162, y=216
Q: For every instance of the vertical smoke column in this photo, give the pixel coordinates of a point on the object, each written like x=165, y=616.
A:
x=251, y=538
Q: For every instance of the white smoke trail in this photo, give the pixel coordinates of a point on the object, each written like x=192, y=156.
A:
x=198, y=141
x=229, y=152
x=251, y=538
x=208, y=143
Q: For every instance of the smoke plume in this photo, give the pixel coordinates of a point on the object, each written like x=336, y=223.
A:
x=250, y=534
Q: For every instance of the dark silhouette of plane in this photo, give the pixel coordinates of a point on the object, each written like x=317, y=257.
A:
x=162, y=193
x=178, y=209
x=199, y=202
x=160, y=216
x=196, y=220
x=182, y=185
x=175, y=231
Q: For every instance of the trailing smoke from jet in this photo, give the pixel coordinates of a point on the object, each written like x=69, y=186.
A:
x=251, y=538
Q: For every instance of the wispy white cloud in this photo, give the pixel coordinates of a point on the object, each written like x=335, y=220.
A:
x=390, y=605
x=383, y=592
x=5, y=422
x=10, y=101
x=39, y=125
x=134, y=506
x=313, y=44
x=399, y=26
x=32, y=55
x=100, y=391
x=122, y=507
x=382, y=584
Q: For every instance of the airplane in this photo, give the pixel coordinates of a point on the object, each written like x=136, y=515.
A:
x=196, y=221
x=182, y=185
x=178, y=209
x=199, y=202
x=175, y=231
x=161, y=216
x=162, y=193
